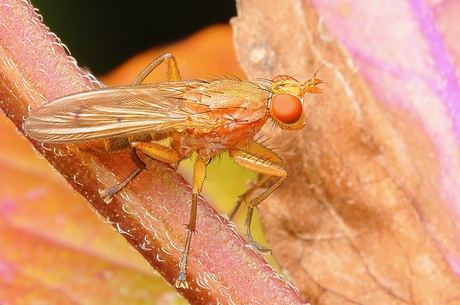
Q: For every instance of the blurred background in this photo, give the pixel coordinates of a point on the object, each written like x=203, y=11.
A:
x=103, y=34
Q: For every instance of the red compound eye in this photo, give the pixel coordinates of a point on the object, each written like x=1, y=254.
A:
x=286, y=108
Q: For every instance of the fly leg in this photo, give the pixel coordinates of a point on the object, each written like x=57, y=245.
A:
x=199, y=175
x=169, y=155
x=140, y=166
x=172, y=71
x=262, y=160
x=113, y=145
x=172, y=74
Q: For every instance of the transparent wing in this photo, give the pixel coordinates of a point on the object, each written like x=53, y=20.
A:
x=118, y=111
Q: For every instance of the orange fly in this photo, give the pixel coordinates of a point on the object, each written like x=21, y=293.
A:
x=206, y=117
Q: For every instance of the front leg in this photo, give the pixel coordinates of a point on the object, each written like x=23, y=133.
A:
x=262, y=160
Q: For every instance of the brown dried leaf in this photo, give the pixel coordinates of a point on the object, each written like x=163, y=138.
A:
x=349, y=224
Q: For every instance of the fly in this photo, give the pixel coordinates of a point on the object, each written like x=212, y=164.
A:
x=206, y=117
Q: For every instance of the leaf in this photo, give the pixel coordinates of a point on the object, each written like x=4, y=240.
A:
x=369, y=213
